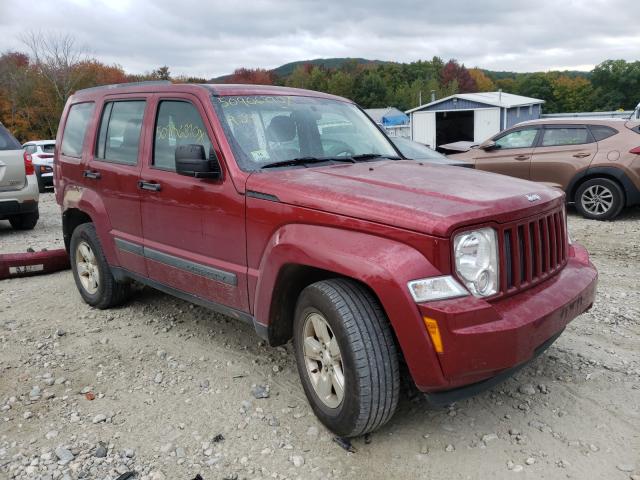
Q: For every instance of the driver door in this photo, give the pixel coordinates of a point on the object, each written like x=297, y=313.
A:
x=193, y=228
x=512, y=153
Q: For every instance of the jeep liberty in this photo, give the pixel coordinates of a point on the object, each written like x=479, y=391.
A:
x=292, y=211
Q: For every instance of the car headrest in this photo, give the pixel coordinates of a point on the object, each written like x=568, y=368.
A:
x=281, y=129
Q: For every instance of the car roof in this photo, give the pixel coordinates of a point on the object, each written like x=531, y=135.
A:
x=614, y=122
x=223, y=89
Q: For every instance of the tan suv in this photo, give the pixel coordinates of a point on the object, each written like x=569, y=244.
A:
x=595, y=161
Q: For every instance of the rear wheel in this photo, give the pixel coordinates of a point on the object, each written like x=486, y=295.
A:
x=346, y=357
x=91, y=272
x=599, y=199
x=26, y=221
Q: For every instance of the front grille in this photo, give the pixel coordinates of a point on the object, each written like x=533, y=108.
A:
x=532, y=250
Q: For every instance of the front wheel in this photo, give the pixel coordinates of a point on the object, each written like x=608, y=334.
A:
x=91, y=272
x=599, y=199
x=346, y=356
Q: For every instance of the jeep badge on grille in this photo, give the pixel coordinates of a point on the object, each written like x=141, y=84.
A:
x=532, y=197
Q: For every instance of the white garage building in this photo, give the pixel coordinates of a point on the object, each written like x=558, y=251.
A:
x=470, y=117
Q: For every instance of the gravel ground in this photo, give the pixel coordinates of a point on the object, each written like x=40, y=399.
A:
x=168, y=390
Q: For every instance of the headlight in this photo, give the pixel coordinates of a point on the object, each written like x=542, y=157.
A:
x=436, y=288
x=476, y=260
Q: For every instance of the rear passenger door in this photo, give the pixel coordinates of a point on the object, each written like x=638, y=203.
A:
x=563, y=150
x=113, y=172
x=511, y=155
x=194, y=230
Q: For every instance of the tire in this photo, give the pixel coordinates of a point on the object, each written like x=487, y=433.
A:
x=25, y=221
x=368, y=357
x=599, y=199
x=91, y=272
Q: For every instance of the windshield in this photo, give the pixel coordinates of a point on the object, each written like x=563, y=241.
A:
x=263, y=129
x=415, y=150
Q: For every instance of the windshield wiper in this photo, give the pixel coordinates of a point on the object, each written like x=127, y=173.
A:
x=370, y=156
x=305, y=160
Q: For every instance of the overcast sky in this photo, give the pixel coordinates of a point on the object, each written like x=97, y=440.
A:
x=209, y=38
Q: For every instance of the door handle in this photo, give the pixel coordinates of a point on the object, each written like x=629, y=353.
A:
x=91, y=174
x=152, y=186
x=522, y=157
x=582, y=155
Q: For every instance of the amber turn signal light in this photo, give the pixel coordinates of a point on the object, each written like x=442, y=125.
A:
x=434, y=334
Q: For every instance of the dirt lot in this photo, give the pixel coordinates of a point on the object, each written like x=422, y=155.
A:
x=173, y=391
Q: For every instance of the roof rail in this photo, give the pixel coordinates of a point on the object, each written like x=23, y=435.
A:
x=123, y=85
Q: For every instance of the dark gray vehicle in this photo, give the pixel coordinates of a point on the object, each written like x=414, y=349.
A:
x=418, y=151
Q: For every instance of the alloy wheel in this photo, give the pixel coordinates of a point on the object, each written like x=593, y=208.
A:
x=323, y=360
x=87, y=268
x=597, y=199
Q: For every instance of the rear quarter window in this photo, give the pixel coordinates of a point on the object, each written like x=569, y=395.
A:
x=557, y=136
x=75, y=129
x=600, y=132
x=8, y=141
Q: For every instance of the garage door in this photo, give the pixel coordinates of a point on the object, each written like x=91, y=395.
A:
x=486, y=123
x=423, y=128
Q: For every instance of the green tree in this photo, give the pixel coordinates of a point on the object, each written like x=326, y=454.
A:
x=617, y=83
x=371, y=91
x=341, y=83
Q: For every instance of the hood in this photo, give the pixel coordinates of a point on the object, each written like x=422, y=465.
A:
x=427, y=198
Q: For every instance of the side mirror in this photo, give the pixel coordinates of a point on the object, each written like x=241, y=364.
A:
x=489, y=145
x=192, y=161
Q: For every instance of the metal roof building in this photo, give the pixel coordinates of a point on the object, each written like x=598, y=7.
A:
x=470, y=116
x=389, y=116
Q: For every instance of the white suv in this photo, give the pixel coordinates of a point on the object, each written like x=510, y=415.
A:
x=41, y=152
x=18, y=184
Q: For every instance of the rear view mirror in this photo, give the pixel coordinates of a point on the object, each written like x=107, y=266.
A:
x=192, y=161
x=489, y=145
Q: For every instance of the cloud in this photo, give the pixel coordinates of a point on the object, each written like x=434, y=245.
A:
x=208, y=39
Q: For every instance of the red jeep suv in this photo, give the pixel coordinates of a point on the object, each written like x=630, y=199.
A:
x=292, y=211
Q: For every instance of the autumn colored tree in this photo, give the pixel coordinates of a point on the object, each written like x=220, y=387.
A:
x=483, y=82
x=453, y=71
x=256, y=76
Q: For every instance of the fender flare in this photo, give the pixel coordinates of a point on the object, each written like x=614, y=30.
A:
x=632, y=194
x=383, y=265
x=90, y=203
x=13, y=265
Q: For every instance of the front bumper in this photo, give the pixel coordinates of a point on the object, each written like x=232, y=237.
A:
x=484, y=339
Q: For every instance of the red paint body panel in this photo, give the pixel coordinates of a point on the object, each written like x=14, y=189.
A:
x=383, y=223
x=32, y=263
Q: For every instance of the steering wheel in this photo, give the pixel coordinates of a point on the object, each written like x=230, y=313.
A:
x=337, y=148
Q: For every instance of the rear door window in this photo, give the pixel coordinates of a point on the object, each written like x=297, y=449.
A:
x=178, y=123
x=600, y=132
x=565, y=136
x=119, y=134
x=49, y=148
x=519, y=139
x=7, y=141
x=75, y=129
